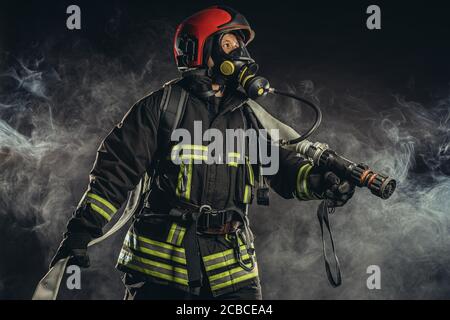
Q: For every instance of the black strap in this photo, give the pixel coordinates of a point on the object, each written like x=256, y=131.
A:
x=262, y=192
x=193, y=258
x=322, y=215
x=190, y=244
x=172, y=106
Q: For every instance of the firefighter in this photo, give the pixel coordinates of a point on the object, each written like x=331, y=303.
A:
x=191, y=240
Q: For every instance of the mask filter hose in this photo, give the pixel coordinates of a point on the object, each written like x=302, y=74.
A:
x=257, y=86
x=316, y=109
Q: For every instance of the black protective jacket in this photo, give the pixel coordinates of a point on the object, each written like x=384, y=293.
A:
x=154, y=247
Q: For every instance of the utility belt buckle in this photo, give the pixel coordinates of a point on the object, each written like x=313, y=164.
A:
x=212, y=217
x=180, y=214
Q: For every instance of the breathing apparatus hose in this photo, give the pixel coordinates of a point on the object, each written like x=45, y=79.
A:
x=316, y=109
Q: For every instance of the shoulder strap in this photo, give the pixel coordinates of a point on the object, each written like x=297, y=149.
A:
x=172, y=106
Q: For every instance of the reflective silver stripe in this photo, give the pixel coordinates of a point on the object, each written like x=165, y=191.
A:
x=108, y=204
x=221, y=257
x=194, y=152
x=153, y=268
x=176, y=234
x=231, y=277
x=229, y=262
x=183, y=188
x=155, y=248
x=234, y=159
x=101, y=208
x=127, y=256
x=180, y=238
x=171, y=234
x=302, y=189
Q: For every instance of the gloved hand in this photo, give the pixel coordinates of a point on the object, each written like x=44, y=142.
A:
x=327, y=185
x=75, y=247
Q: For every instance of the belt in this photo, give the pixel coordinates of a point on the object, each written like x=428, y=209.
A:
x=204, y=220
x=207, y=219
x=212, y=221
x=227, y=228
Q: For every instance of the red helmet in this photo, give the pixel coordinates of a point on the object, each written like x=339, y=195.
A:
x=190, y=43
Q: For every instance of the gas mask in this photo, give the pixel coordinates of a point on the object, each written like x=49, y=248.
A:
x=237, y=68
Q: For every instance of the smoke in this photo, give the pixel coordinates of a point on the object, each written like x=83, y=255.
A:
x=406, y=235
x=55, y=108
x=57, y=101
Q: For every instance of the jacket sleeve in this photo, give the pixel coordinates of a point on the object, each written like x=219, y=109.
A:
x=291, y=179
x=122, y=159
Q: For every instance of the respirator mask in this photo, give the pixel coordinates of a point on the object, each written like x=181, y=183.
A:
x=236, y=68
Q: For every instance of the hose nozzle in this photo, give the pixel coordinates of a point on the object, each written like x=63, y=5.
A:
x=379, y=184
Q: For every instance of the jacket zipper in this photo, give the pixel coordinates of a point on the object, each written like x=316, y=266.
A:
x=206, y=175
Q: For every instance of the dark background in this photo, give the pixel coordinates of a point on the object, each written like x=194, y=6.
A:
x=385, y=98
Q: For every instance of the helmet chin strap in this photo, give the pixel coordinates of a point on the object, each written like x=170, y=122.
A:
x=200, y=82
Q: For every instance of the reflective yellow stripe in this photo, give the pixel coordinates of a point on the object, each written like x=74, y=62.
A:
x=233, y=155
x=171, y=232
x=225, y=263
x=250, y=172
x=193, y=157
x=157, y=253
x=103, y=201
x=226, y=273
x=253, y=274
x=181, y=236
x=246, y=79
x=176, y=234
x=178, y=190
x=157, y=274
x=189, y=157
x=155, y=263
x=221, y=254
x=247, y=194
x=100, y=211
x=189, y=181
x=157, y=243
x=186, y=193
x=242, y=73
x=175, y=154
x=305, y=182
x=162, y=255
x=190, y=147
x=302, y=182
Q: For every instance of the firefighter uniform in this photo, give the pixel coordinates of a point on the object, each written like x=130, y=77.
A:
x=154, y=247
x=191, y=238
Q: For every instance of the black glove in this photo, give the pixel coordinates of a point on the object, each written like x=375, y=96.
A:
x=74, y=245
x=327, y=185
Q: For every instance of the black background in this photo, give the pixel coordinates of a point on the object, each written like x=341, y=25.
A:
x=326, y=42
x=413, y=38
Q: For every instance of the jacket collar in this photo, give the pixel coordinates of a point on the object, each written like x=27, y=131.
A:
x=198, y=82
x=232, y=100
